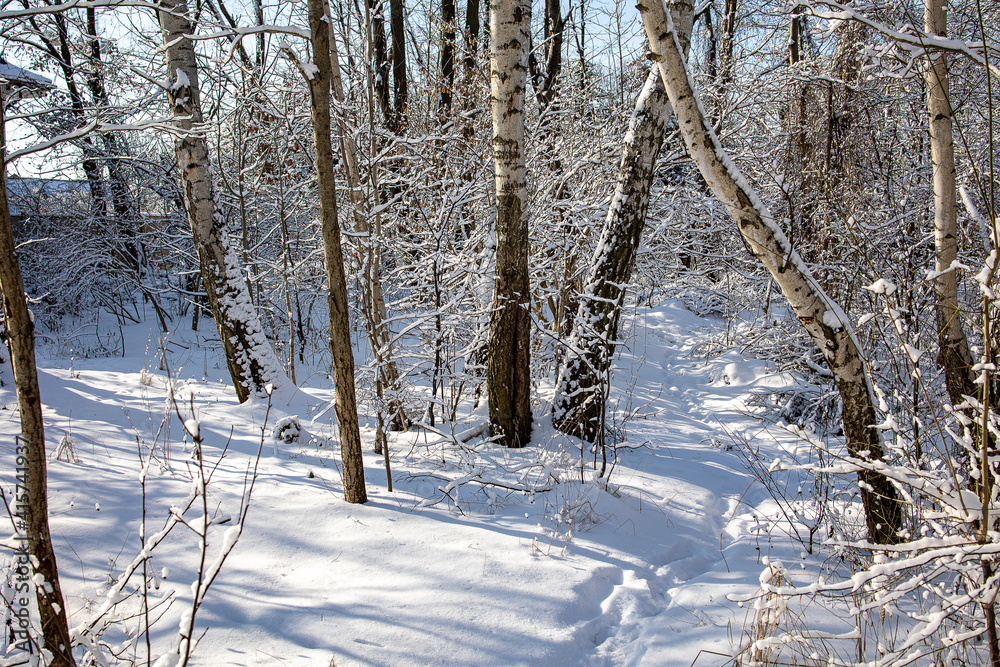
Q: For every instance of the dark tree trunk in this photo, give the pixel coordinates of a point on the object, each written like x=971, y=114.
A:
x=399, y=91
x=712, y=47
x=471, y=35
x=544, y=79
x=63, y=56
x=795, y=36
x=581, y=388
x=728, y=42
x=340, y=328
x=381, y=65
x=447, y=56
x=372, y=296
x=21, y=343
x=115, y=150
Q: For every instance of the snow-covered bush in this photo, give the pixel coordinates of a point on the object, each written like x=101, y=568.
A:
x=940, y=582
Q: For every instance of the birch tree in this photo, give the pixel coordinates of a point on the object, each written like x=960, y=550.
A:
x=954, y=356
x=580, y=397
x=251, y=359
x=508, y=374
x=825, y=321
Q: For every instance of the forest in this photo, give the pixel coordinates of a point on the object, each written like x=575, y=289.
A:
x=513, y=333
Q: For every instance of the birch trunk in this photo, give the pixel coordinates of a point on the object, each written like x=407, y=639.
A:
x=250, y=357
x=508, y=375
x=340, y=329
x=823, y=319
x=954, y=356
x=32, y=496
x=581, y=390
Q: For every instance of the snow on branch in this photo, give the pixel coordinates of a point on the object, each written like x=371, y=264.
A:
x=979, y=52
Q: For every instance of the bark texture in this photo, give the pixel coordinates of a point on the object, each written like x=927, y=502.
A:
x=250, y=357
x=471, y=35
x=447, y=56
x=21, y=343
x=399, y=88
x=954, y=356
x=340, y=329
x=823, y=319
x=380, y=54
x=581, y=390
x=544, y=79
x=508, y=373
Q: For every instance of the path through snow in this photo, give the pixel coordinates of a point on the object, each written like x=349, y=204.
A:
x=315, y=579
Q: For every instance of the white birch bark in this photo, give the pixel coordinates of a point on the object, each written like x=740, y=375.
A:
x=250, y=357
x=508, y=375
x=954, y=356
x=824, y=320
x=580, y=396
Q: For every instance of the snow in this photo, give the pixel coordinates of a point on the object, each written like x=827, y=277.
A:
x=181, y=82
x=309, y=70
x=882, y=286
x=645, y=571
x=19, y=76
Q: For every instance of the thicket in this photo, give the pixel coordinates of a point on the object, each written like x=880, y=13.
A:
x=823, y=108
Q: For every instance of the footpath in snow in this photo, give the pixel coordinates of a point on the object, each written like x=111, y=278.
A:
x=643, y=572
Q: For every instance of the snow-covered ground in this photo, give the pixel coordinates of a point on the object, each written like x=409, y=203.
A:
x=645, y=571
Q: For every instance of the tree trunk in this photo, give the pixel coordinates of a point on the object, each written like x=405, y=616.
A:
x=399, y=92
x=447, y=56
x=340, y=329
x=471, y=35
x=116, y=149
x=64, y=57
x=381, y=64
x=728, y=42
x=954, y=356
x=508, y=374
x=32, y=497
x=795, y=36
x=250, y=357
x=823, y=319
x=581, y=388
x=544, y=80
x=373, y=298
